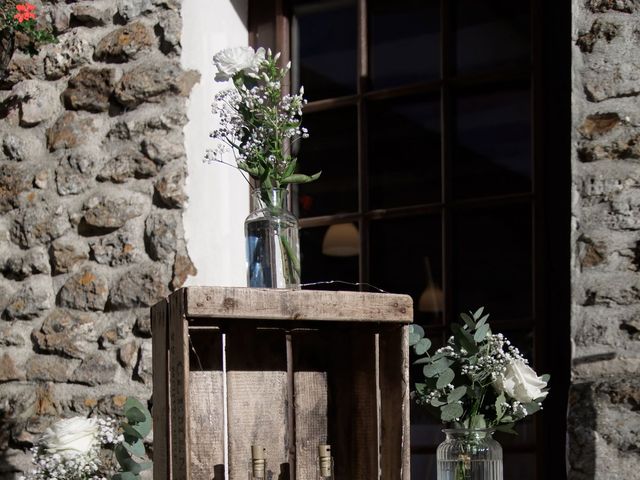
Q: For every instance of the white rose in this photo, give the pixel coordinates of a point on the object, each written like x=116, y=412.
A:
x=520, y=382
x=71, y=436
x=237, y=59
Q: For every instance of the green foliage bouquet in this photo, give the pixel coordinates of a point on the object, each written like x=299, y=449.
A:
x=478, y=380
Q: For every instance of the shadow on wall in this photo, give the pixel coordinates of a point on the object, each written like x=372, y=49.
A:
x=581, y=432
x=240, y=6
x=7, y=423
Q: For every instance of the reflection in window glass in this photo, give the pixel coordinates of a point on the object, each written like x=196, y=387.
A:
x=492, y=151
x=332, y=149
x=492, y=34
x=406, y=258
x=404, y=41
x=492, y=261
x=404, y=151
x=318, y=266
x=323, y=47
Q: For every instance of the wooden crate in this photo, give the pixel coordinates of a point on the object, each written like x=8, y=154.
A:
x=285, y=369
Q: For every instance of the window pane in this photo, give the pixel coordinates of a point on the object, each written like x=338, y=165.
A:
x=492, y=261
x=404, y=41
x=423, y=466
x=404, y=151
x=406, y=258
x=492, y=34
x=492, y=152
x=332, y=148
x=320, y=267
x=323, y=47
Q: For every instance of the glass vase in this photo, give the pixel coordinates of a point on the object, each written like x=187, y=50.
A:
x=469, y=454
x=273, y=248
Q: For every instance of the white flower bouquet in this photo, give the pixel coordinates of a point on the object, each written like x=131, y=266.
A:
x=81, y=448
x=478, y=380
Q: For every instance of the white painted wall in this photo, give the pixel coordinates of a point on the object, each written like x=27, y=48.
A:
x=218, y=195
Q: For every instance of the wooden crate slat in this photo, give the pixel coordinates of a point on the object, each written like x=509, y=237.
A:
x=280, y=304
x=394, y=403
x=206, y=413
x=160, y=409
x=257, y=392
x=311, y=351
x=353, y=409
x=179, y=388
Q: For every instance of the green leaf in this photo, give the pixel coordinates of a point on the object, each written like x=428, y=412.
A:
x=300, y=178
x=144, y=428
x=481, y=333
x=482, y=321
x=464, y=338
x=291, y=168
x=132, y=432
x=420, y=387
x=457, y=394
x=445, y=378
x=545, y=378
x=422, y=346
x=436, y=402
x=416, y=333
x=436, y=367
x=478, y=313
x=126, y=462
x=477, y=421
x=499, y=407
x=136, y=448
x=132, y=403
x=450, y=412
x=134, y=415
x=468, y=320
x=532, y=407
x=125, y=476
x=507, y=428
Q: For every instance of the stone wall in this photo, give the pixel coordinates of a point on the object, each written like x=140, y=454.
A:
x=604, y=404
x=92, y=170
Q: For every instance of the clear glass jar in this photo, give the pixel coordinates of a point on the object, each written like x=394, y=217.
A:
x=469, y=454
x=273, y=248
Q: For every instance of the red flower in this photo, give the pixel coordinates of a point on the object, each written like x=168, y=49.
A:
x=25, y=12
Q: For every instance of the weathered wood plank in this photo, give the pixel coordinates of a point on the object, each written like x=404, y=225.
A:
x=160, y=409
x=280, y=304
x=257, y=404
x=394, y=403
x=310, y=364
x=353, y=409
x=179, y=387
x=206, y=408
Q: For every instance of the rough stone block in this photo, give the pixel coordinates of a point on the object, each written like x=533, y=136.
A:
x=96, y=369
x=72, y=130
x=39, y=101
x=170, y=186
x=161, y=235
x=125, y=43
x=140, y=287
x=14, y=180
x=72, y=50
x=90, y=89
x=33, y=299
x=113, y=211
x=116, y=249
x=66, y=333
x=68, y=252
x=90, y=16
x=127, y=165
x=86, y=290
x=49, y=368
x=39, y=221
x=24, y=264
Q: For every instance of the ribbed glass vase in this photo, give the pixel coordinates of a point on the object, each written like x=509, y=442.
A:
x=273, y=248
x=469, y=454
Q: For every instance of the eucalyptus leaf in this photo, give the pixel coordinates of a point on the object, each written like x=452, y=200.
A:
x=134, y=415
x=445, y=378
x=416, y=333
x=481, y=333
x=130, y=431
x=478, y=313
x=135, y=403
x=136, y=448
x=436, y=402
x=436, y=367
x=499, y=405
x=545, y=378
x=125, y=476
x=450, y=412
x=464, y=338
x=422, y=346
x=532, y=407
x=457, y=394
x=126, y=462
x=482, y=321
x=507, y=428
x=477, y=421
x=468, y=320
